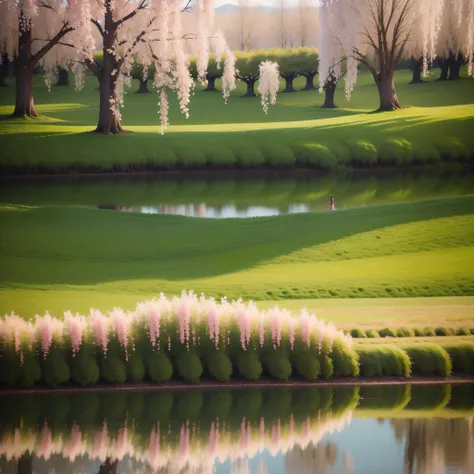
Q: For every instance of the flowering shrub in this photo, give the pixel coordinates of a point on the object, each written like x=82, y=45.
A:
x=183, y=335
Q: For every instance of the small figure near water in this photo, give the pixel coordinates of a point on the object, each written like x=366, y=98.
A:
x=332, y=206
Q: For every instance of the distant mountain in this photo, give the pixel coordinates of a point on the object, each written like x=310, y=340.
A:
x=226, y=8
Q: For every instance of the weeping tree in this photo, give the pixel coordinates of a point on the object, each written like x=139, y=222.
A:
x=214, y=72
x=63, y=77
x=248, y=69
x=456, y=39
x=142, y=74
x=29, y=30
x=4, y=68
x=375, y=33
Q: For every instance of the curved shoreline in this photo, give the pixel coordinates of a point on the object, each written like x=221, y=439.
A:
x=237, y=384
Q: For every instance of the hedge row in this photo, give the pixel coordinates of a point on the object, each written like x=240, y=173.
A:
x=410, y=332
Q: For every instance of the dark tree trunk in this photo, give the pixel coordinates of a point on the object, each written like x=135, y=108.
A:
x=109, y=118
x=24, y=103
x=455, y=64
x=416, y=68
x=143, y=89
x=4, y=68
x=25, y=464
x=444, y=66
x=329, y=91
x=211, y=84
x=289, y=84
x=250, y=88
x=387, y=92
x=108, y=467
x=63, y=77
x=309, y=81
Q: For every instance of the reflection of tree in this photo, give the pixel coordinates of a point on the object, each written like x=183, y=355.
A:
x=108, y=467
x=312, y=459
x=25, y=464
x=433, y=445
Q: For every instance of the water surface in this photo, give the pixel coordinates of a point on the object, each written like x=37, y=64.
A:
x=242, y=195
x=399, y=429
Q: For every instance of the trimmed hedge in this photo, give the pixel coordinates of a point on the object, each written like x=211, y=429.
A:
x=388, y=361
x=462, y=357
x=429, y=360
x=410, y=332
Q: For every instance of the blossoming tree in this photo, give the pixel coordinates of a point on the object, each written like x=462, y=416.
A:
x=375, y=33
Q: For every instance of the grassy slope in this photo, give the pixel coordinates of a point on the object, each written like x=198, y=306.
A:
x=90, y=257
x=439, y=118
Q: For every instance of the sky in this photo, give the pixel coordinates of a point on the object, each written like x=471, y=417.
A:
x=289, y=3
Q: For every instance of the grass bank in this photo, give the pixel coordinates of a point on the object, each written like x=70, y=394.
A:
x=435, y=127
x=60, y=258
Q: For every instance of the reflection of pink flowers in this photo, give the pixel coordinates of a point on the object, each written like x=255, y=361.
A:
x=184, y=440
x=153, y=454
x=45, y=443
x=73, y=448
x=214, y=435
x=99, y=444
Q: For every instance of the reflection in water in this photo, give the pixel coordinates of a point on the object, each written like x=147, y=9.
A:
x=283, y=431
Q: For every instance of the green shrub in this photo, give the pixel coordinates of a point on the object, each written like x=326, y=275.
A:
x=442, y=332
x=429, y=332
x=189, y=366
x=387, y=332
x=315, y=155
x=429, y=360
x=434, y=397
x=471, y=331
x=248, y=156
x=388, y=361
x=327, y=367
x=463, y=332
x=306, y=364
x=462, y=358
x=345, y=361
x=405, y=332
x=277, y=365
x=158, y=407
x=363, y=153
x=30, y=371
x=219, y=405
x=159, y=367
x=135, y=368
x=112, y=369
x=9, y=367
x=372, y=334
x=276, y=403
x=278, y=155
x=358, y=333
x=190, y=157
x=370, y=362
x=84, y=368
x=461, y=397
x=55, y=369
x=219, y=156
x=452, y=331
x=345, y=398
x=249, y=366
x=418, y=332
x=219, y=366
x=189, y=404
x=394, y=397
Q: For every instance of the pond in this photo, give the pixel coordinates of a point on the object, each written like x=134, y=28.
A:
x=242, y=195
x=372, y=429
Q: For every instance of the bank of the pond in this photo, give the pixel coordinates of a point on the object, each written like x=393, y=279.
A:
x=243, y=385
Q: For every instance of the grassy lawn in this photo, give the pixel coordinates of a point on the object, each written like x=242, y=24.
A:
x=435, y=125
x=58, y=258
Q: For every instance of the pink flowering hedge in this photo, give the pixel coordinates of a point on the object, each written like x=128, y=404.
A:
x=186, y=338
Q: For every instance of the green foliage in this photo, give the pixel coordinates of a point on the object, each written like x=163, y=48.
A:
x=84, y=368
x=248, y=156
x=277, y=155
x=135, y=367
x=212, y=69
x=315, y=155
x=190, y=404
x=306, y=364
x=387, y=332
x=462, y=358
x=463, y=332
x=249, y=365
x=442, y=331
x=418, y=332
x=113, y=369
x=472, y=331
x=434, y=397
x=159, y=367
x=30, y=371
x=429, y=360
x=345, y=362
x=405, y=332
x=358, y=333
x=9, y=367
x=55, y=369
x=394, y=397
x=247, y=64
x=277, y=365
x=138, y=70
x=327, y=366
x=189, y=366
x=429, y=332
x=386, y=360
x=219, y=157
x=372, y=334
x=219, y=366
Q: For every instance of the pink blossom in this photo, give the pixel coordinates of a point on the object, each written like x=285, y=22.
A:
x=120, y=323
x=76, y=326
x=291, y=332
x=305, y=327
x=261, y=328
x=46, y=326
x=213, y=323
x=184, y=317
x=45, y=443
x=244, y=321
x=100, y=326
x=275, y=320
x=154, y=319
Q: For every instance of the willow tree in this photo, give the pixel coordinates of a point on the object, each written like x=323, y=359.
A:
x=375, y=33
x=29, y=30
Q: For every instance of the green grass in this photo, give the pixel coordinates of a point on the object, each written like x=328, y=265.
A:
x=58, y=258
x=435, y=126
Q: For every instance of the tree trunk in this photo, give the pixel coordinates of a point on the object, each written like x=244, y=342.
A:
x=329, y=91
x=4, y=68
x=387, y=93
x=108, y=467
x=109, y=117
x=289, y=84
x=250, y=89
x=24, y=103
x=25, y=464
x=417, y=68
x=63, y=77
x=455, y=64
x=444, y=65
x=211, y=84
x=143, y=89
x=309, y=81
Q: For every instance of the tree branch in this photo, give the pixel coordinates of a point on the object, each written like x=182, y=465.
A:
x=130, y=15
x=99, y=27
x=47, y=47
